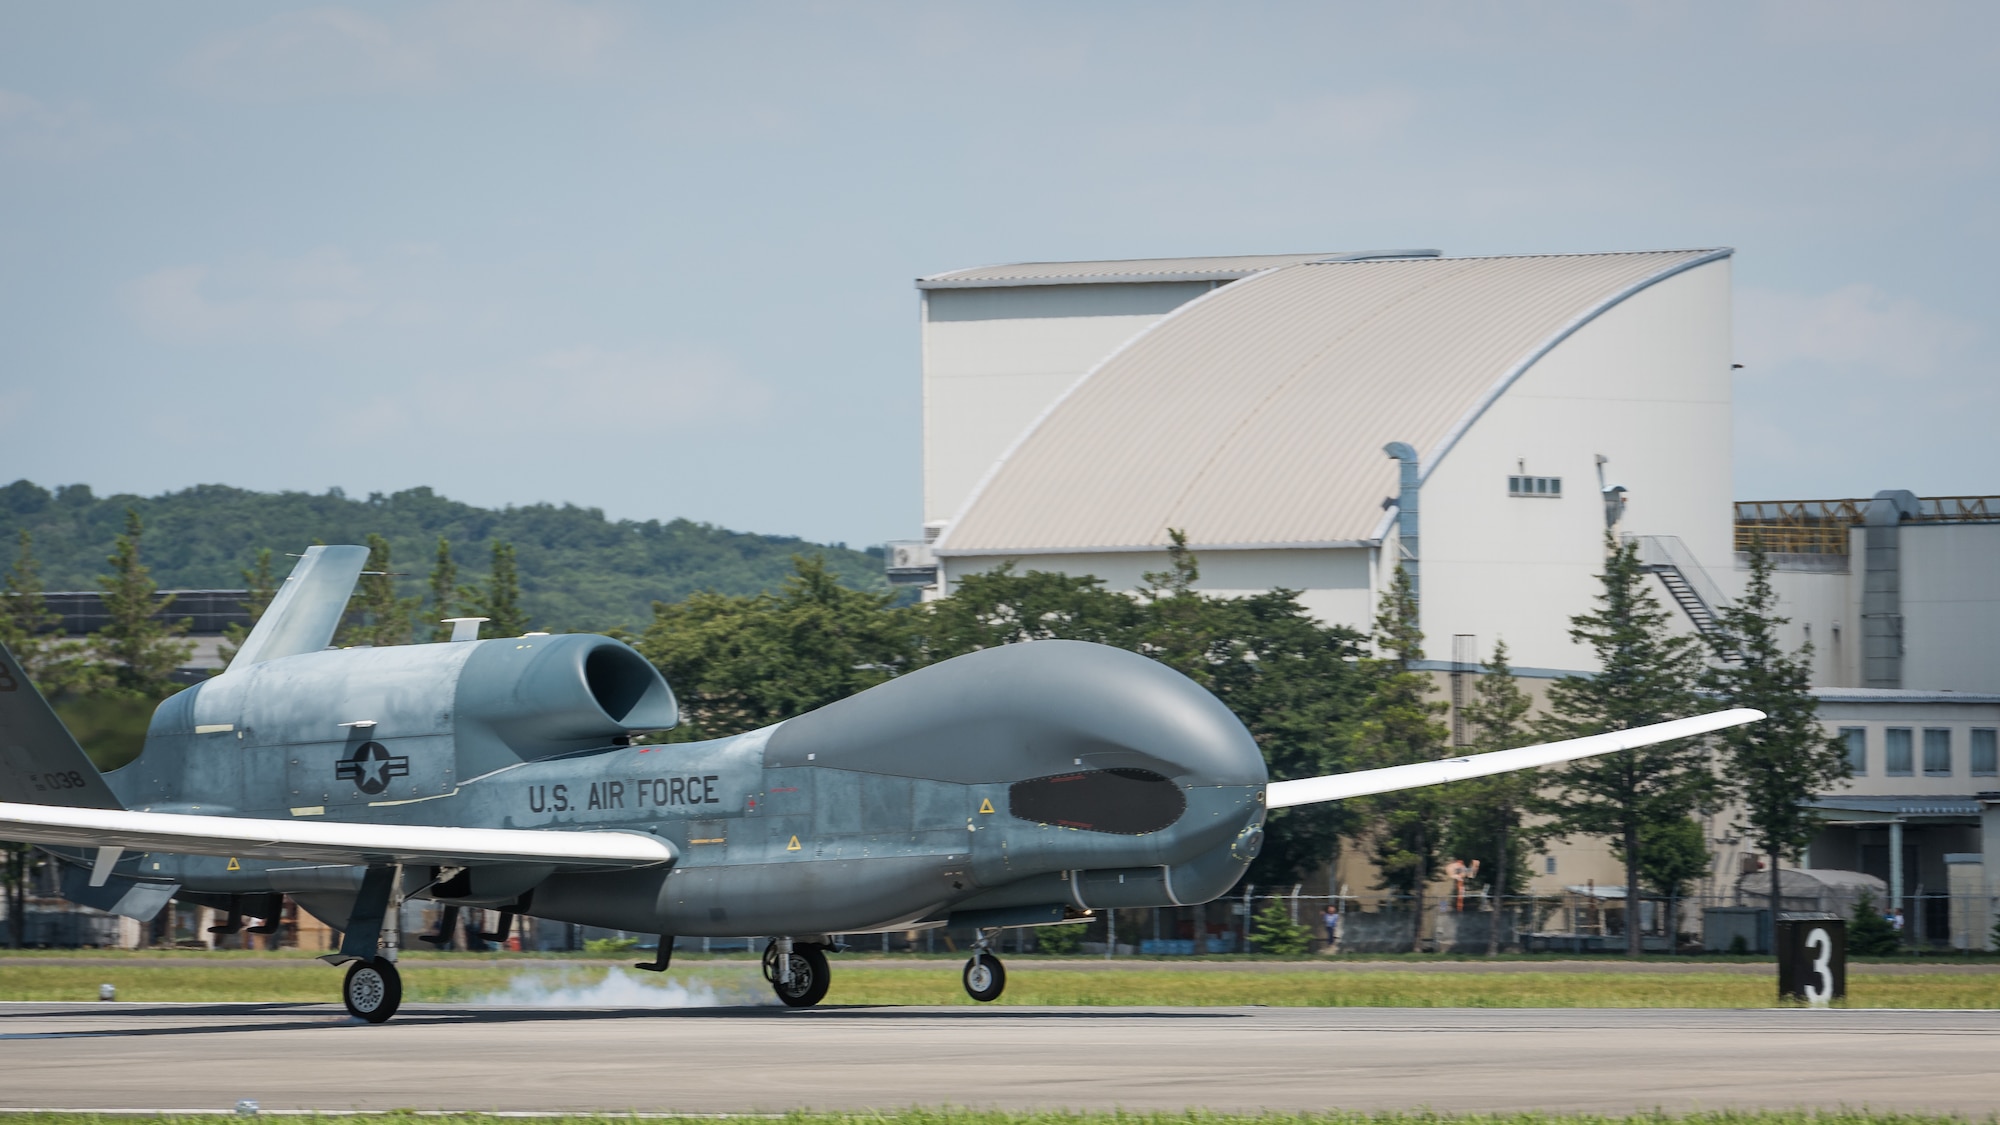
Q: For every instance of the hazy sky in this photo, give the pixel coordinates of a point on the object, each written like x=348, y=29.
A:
x=657, y=257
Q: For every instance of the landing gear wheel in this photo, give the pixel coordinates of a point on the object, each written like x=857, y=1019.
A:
x=810, y=975
x=985, y=979
x=373, y=989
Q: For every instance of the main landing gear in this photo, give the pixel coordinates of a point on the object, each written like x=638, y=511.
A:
x=373, y=989
x=985, y=977
x=797, y=971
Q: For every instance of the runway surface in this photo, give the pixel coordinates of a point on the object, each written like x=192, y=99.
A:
x=718, y=1060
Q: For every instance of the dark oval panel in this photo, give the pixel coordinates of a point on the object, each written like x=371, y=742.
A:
x=1128, y=802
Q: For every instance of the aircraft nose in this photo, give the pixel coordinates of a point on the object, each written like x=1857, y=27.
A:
x=1027, y=710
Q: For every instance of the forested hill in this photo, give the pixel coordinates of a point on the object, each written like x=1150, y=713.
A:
x=578, y=569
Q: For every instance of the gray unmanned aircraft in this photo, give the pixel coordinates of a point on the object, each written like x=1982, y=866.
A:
x=1018, y=786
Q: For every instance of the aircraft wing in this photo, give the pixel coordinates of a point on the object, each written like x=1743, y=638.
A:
x=1361, y=783
x=326, y=841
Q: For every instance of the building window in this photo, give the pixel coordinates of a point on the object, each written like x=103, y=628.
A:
x=1937, y=752
x=1547, y=487
x=1896, y=752
x=1985, y=752
x=1857, y=749
x=1551, y=865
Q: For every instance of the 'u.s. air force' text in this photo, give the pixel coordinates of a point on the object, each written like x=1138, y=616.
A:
x=641, y=793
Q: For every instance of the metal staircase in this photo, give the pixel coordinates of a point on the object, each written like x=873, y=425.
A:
x=1690, y=587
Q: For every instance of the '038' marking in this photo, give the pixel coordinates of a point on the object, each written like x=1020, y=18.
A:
x=60, y=780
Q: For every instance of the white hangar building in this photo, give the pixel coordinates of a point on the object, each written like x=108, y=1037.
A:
x=1309, y=419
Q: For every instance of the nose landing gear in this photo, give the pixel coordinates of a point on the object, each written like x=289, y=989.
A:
x=797, y=971
x=373, y=989
x=985, y=978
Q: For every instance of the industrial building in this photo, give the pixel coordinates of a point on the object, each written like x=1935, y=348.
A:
x=1309, y=421
x=1312, y=420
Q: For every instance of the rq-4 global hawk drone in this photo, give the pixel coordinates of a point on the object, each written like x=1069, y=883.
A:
x=1018, y=786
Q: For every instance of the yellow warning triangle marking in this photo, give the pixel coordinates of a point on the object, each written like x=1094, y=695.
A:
x=793, y=846
x=985, y=805
x=233, y=865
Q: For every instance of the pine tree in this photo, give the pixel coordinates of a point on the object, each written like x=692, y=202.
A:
x=30, y=630
x=141, y=648
x=1672, y=855
x=1487, y=822
x=1776, y=766
x=1180, y=633
x=1277, y=935
x=1401, y=725
x=1869, y=934
x=260, y=586
x=444, y=590
x=1648, y=674
x=500, y=602
x=385, y=619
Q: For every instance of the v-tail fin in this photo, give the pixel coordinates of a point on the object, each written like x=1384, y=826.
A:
x=306, y=611
x=40, y=763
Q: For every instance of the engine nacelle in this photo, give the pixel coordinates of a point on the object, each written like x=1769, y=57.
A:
x=545, y=695
x=447, y=710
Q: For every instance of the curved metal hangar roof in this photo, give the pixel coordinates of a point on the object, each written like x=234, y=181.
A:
x=1256, y=415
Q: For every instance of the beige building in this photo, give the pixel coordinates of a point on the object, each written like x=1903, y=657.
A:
x=1309, y=421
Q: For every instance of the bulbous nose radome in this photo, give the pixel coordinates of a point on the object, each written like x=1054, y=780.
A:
x=1025, y=710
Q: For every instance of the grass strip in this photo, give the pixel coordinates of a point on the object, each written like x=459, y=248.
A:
x=931, y=984
x=947, y=1115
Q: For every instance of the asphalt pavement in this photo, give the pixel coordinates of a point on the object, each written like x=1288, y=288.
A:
x=108, y=1056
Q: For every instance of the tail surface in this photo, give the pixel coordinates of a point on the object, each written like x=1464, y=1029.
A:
x=40, y=763
x=306, y=611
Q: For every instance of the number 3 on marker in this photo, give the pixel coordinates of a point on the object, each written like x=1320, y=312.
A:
x=1820, y=988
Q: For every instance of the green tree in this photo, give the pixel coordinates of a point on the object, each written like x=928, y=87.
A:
x=1673, y=854
x=1773, y=767
x=1276, y=933
x=25, y=620
x=444, y=590
x=739, y=663
x=500, y=601
x=1061, y=941
x=1002, y=607
x=1869, y=934
x=385, y=619
x=580, y=570
x=1180, y=628
x=30, y=630
x=260, y=584
x=1648, y=674
x=1401, y=725
x=141, y=649
x=1487, y=811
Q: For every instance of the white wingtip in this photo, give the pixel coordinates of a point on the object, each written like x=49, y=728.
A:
x=1361, y=783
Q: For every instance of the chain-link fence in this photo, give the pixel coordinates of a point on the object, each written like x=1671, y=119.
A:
x=1581, y=920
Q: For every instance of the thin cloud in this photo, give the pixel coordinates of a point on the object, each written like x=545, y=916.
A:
x=33, y=130
x=564, y=394
x=341, y=51
x=1853, y=326
x=311, y=296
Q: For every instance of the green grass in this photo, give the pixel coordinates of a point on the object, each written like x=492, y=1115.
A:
x=951, y=1116
x=1030, y=985
x=458, y=978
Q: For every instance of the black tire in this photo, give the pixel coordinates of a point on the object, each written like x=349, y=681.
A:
x=985, y=978
x=373, y=990
x=810, y=976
